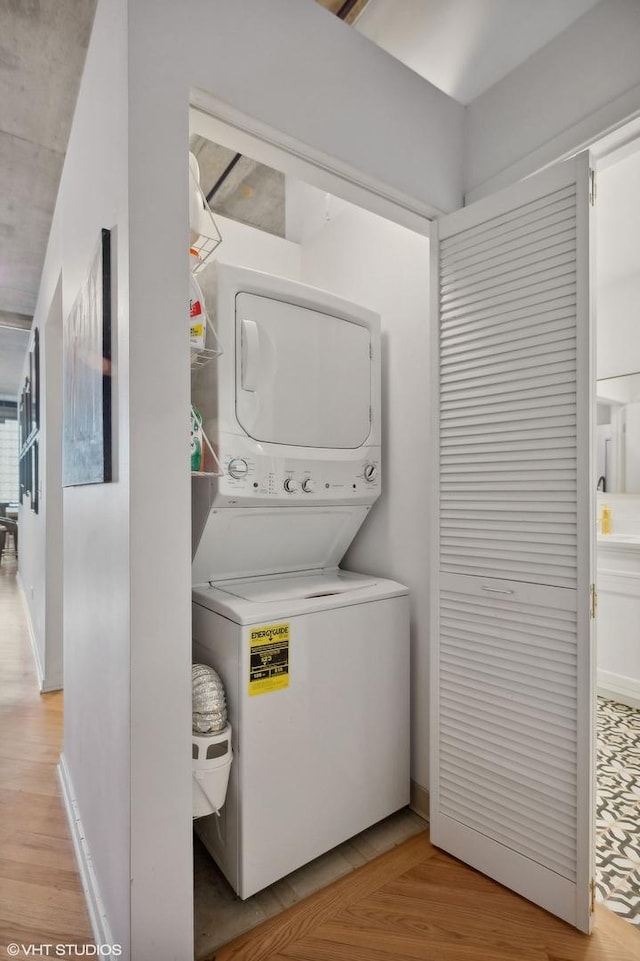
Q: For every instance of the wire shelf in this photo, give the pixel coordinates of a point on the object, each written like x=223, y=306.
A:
x=209, y=237
x=210, y=456
x=201, y=356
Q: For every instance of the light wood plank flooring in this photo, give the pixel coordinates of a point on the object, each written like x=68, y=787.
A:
x=41, y=899
x=417, y=904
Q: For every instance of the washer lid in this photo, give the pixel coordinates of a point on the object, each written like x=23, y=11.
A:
x=242, y=542
x=253, y=599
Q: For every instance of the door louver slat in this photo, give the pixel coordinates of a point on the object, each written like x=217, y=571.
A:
x=462, y=281
x=477, y=234
x=508, y=251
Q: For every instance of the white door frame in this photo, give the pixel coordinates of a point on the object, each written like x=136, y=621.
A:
x=220, y=123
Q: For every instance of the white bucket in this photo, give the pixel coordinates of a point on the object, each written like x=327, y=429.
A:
x=211, y=763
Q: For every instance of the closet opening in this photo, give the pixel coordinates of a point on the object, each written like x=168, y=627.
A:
x=276, y=231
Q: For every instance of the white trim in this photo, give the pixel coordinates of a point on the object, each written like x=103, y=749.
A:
x=626, y=690
x=419, y=800
x=586, y=546
x=433, y=489
x=606, y=547
x=95, y=905
x=620, y=583
x=45, y=684
x=217, y=121
x=574, y=140
x=617, y=146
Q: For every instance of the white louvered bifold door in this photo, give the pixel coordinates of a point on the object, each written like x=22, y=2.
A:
x=512, y=688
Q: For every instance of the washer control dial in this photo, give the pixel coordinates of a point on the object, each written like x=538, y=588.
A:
x=291, y=485
x=370, y=472
x=238, y=468
x=308, y=485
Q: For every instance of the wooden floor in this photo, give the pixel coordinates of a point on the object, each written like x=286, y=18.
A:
x=417, y=904
x=41, y=899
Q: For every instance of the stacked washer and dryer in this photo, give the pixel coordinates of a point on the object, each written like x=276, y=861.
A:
x=314, y=659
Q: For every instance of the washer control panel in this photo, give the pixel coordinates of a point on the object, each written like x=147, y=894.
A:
x=250, y=476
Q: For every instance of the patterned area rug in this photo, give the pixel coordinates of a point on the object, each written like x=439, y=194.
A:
x=618, y=810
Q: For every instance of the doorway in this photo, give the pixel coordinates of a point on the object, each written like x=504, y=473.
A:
x=618, y=534
x=278, y=223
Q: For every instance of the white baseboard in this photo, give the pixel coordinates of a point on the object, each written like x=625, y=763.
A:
x=419, y=800
x=626, y=690
x=95, y=906
x=45, y=684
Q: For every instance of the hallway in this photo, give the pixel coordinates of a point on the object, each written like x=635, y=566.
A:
x=41, y=899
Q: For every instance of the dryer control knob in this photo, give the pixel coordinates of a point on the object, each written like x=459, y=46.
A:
x=290, y=485
x=238, y=468
x=370, y=472
x=308, y=485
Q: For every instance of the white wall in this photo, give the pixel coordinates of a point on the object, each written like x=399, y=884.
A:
x=573, y=90
x=51, y=492
x=246, y=246
x=384, y=266
x=465, y=46
x=93, y=562
x=40, y=554
x=618, y=268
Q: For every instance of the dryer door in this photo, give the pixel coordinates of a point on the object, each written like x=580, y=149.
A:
x=303, y=378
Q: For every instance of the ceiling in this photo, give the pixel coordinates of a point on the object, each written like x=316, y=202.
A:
x=240, y=188
x=465, y=46
x=462, y=46
x=347, y=10
x=42, y=51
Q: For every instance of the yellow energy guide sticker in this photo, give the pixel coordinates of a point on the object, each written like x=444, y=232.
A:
x=268, y=658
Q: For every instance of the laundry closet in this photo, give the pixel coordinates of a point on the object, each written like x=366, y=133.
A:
x=305, y=390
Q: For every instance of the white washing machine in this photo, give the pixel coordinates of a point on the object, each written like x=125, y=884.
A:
x=316, y=670
x=315, y=660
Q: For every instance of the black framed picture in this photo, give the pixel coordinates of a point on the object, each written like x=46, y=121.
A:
x=35, y=475
x=26, y=478
x=86, y=360
x=29, y=426
x=34, y=380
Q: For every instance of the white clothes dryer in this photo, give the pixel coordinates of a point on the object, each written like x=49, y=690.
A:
x=316, y=670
